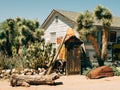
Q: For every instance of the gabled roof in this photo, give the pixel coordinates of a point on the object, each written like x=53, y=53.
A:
x=116, y=21
x=72, y=16
x=69, y=14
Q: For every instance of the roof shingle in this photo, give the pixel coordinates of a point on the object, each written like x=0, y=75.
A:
x=74, y=15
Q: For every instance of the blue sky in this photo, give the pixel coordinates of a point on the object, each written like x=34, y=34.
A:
x=32, y=9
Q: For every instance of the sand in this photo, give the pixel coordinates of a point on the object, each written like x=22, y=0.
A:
x=72, y=82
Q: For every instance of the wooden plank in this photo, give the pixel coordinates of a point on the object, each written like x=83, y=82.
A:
x=73, y=61
x=56, y=55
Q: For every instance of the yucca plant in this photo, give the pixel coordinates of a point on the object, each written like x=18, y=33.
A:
x=18, y=32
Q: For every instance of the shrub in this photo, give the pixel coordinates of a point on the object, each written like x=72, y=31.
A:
x=115, y=71
x=38, y=55
x=10, y=62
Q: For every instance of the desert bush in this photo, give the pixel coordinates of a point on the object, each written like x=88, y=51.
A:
x=11, y=62
x=39, y=55
x=115, y=71
x=85, y=71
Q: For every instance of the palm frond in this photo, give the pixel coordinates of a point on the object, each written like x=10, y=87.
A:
x=79, y=21
x=98, y=12
x=103, y=14
x=85, y=20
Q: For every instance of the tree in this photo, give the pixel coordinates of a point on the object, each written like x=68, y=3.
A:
x=27, y=30
x=104, y=16
x=25, y=33
x=85, y=27
x=7, y=35
x=18, y=32
x=25, y=40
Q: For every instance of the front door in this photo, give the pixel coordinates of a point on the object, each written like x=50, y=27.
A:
x=73, y=61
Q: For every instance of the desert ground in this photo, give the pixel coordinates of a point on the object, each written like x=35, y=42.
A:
x=71, y=82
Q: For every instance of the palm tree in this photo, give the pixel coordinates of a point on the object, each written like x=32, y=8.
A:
x=104, y=16
x=85, y=28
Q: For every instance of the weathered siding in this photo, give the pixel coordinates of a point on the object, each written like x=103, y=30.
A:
x=60, y=27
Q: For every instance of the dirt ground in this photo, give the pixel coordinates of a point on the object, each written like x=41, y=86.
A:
x=72, y=82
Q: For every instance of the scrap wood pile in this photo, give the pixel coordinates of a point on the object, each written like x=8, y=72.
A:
x=28, y=77
x=6, y=73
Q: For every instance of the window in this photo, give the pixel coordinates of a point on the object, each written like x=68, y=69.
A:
x=112, y=36
x=56, y=19
x=53, y=37
x=118, y=39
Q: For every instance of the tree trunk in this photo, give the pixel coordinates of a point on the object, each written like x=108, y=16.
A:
x=94, y=44
x=104, y=43
x=100, y=62
x=96, y=48
x=27, y=80
x=8, y=45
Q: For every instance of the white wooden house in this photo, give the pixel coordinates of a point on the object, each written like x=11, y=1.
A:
x=58, y=21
